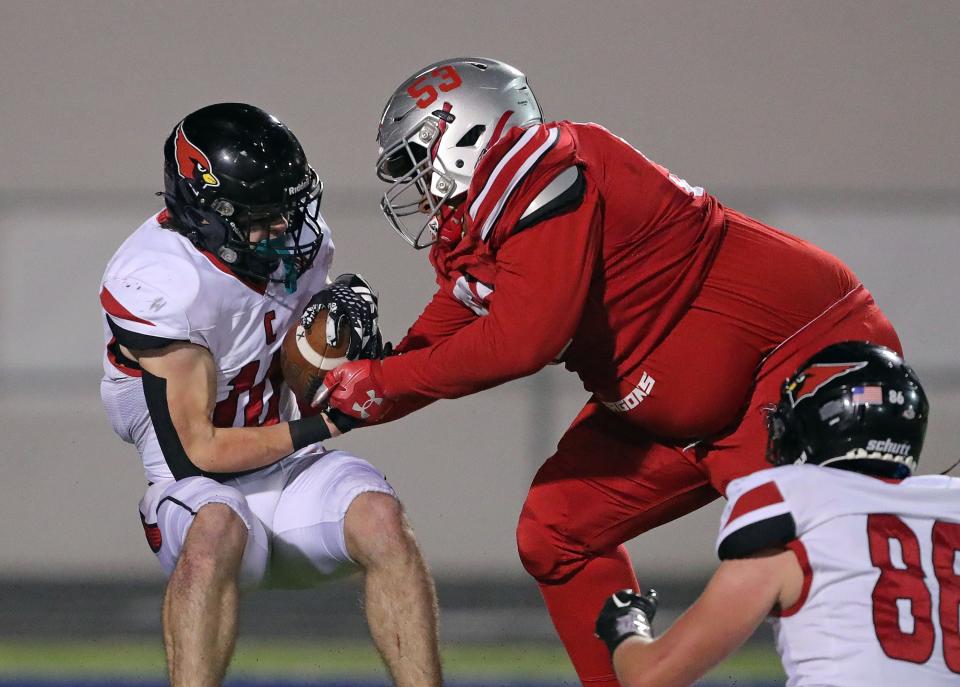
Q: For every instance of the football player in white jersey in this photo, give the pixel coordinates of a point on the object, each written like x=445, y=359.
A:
x=241, y=491
x=856, y=561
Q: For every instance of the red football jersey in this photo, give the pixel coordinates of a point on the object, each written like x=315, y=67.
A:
x=599, y=280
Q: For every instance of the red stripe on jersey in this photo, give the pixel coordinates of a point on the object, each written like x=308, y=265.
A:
x=499, y=180
x=113, y=307
x=766, y=494
x=259, y=287
x=800, y=551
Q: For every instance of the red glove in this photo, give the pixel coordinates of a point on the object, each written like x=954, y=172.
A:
x=356, y=390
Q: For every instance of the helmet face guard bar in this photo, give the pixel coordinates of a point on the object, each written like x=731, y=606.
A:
x=295, y=249
x=223, y=227
x=409, y=168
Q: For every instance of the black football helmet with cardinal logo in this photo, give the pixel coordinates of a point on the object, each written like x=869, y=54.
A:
x=854, y=405
x=229, y=167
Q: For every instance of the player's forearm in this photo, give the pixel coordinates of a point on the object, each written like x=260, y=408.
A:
x=236, y=449
x=737, y=599
x=472, y=361
x=442, y=317
x=405, y=406
x=640, y=662
x=543, y=278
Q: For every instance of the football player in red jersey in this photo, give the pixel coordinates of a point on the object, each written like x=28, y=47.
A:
x=558, y=241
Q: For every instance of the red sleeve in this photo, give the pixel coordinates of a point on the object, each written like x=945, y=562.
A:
x=443, y=316
x=543, y=277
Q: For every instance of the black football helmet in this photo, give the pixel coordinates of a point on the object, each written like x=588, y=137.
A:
x=230, y=166
x=854, y=405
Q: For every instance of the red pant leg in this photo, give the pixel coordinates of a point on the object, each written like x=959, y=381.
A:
x=606, y=484
x=744, y=450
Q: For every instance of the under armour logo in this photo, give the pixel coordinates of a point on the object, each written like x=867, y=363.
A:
x=362, y=409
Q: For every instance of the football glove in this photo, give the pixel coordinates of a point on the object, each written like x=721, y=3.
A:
x=355, y=395
x=349, y=298
x=626, y=614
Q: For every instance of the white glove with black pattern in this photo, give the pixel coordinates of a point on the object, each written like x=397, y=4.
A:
x=348, y=298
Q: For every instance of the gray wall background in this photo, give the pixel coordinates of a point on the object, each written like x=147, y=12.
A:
x=834, y=120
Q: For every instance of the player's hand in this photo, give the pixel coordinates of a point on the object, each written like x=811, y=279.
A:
x=337, y=423
x=626, y=614
x=349, y=298
x=355, y=395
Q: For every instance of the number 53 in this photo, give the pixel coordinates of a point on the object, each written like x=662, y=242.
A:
x=425, y=93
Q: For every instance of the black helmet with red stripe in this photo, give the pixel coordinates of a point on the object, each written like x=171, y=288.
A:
x=231, y=167
x=854, y=405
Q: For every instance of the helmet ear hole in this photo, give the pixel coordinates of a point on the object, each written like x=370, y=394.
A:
x=782, y=445
x=473, y=135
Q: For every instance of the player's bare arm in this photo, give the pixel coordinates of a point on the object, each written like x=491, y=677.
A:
x=189, y=375
x=739, y=596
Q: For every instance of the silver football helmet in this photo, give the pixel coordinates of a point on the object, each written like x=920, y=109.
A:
x=434, y=129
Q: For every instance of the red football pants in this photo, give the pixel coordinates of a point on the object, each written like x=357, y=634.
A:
x=609, y=481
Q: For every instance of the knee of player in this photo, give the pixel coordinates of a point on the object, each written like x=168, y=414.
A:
x=542, y=555
x=216, y=539
x=375, y=529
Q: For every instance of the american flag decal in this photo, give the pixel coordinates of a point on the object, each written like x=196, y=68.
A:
x=863, y=395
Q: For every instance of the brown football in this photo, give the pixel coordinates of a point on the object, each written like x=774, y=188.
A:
x=305, y=356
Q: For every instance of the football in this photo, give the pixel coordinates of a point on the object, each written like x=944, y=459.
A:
x=305, y=356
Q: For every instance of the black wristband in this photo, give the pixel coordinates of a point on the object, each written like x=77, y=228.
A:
x=308, y=430
x=342, y=421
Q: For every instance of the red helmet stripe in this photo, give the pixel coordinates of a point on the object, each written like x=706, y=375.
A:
x=498, y=129
x=816, y=376
x=442, y=126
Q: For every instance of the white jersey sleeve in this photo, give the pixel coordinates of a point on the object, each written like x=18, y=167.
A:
x=880, y=603
x=757, y=516
x=153, y=303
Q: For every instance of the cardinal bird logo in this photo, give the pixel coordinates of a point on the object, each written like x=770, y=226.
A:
x=816, y=376
x=193, y=163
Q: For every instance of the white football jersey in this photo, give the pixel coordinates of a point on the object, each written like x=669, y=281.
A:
x=160, y=287
x=881, y=595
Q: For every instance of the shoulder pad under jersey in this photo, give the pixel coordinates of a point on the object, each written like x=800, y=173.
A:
x=151, y=304
x=513, y=173
x=757, y=516
x=561, y=195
